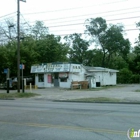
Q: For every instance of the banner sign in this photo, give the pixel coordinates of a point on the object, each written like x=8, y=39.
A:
x=63, y=75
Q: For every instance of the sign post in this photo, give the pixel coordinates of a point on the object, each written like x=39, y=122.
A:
x=7, y=72
x=22, y=68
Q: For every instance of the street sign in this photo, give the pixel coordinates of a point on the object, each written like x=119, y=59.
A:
x=21, y=66
x=6, y=71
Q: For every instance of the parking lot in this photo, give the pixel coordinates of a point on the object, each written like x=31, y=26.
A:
x=128, y=92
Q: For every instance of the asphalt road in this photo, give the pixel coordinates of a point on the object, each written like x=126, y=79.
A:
x=43, y=120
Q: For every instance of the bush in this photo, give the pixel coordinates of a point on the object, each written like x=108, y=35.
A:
x=135, y=78
x=124, y=76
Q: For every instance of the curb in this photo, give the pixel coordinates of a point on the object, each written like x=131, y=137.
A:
x=97, y=102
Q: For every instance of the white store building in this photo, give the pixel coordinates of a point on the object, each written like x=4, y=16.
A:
x=59, y=74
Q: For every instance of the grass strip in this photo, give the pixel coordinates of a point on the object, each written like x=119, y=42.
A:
x=17, y=95
x=94, y=100
x=138, y=90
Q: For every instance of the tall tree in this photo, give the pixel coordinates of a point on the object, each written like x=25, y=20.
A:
x=96, y=28
x=50, y=49
x=93, y=57
x=109, y=38
x=39, y=30
x=77, y=48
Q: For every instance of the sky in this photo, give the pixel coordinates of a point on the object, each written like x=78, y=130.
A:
x=65, y=17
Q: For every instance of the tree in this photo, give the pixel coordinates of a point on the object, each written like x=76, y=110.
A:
x=109, y=38
x=124, y=76
x=39, y=30
x=77, y=48
x=93, y=57
x=96, y=29
x=50, y=49
x=134, y=64
x=28, y=54
x=119, y=63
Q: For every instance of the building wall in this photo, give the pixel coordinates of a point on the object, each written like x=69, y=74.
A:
x=76, y=73
x=40, y=84
x=75, y=68
x=105, y=78
x=44, y=82
x=65, y=84
x=74, y=76
x=109, y=78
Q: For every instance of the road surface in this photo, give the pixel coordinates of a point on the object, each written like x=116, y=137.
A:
x=45, y=120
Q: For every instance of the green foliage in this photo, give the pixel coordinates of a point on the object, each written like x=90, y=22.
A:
x=117, y=62
x=39, y=30
x=36, y=47
x=111, y=49
x=77, y=48
x=50, y=49
x=135, y=78
x=93, y=57
x=124, y=76
x=109, y=38
x=17, y=95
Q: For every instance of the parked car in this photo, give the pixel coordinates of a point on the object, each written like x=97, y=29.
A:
x=13, y=82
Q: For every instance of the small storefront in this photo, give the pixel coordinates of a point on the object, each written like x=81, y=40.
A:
x=62, y=74
x=57, y=74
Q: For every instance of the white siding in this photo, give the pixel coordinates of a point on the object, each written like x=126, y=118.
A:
x=76, y=73
x=73, y=76
x=65, y=84
x=39, y=84
x=105, y=78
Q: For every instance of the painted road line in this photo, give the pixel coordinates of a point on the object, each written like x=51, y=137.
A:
x=75, y=128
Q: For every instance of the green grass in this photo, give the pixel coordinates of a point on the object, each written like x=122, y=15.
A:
x=138, y=90
x=17, y=95
x=98, y=99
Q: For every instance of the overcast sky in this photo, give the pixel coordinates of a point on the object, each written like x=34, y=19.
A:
x=65, y=17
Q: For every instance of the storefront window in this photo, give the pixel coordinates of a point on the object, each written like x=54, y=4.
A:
x=63, y=79
x=40, y=77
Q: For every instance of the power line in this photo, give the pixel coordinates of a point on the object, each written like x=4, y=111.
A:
x=78, y=29
x=7, y=15
x=88, y=14
x=87, y=33
x=83, y=23
x=73, y=8
x=91, y=14
x=102, y=16
x=75, y=32
x=26, y=21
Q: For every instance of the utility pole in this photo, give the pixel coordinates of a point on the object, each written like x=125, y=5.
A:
x=18, y=44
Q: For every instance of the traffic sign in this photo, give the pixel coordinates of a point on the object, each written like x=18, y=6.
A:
x=6, y=71
x=21, y=66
